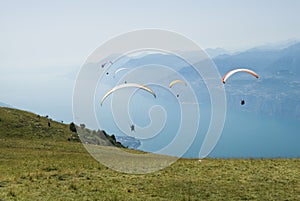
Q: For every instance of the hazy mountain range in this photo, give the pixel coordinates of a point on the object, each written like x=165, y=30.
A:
x=277, y=91
x=214, y=52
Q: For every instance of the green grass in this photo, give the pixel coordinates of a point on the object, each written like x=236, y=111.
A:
x=21, y=124
x=25, y=125
x=52, y=168
x=45, y=170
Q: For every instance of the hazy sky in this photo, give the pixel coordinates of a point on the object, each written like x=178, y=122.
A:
x=59, y=33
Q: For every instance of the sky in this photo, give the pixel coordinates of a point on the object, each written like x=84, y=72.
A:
x=60, y=33
x=44, y=43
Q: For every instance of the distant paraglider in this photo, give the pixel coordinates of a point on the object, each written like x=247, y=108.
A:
x=126, y=85
x=106, y=63
x=176, y=82
x=132, y=128
x=118, y=70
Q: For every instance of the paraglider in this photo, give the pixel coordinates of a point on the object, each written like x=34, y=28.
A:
x=118, y=70
x=132, y=128
x=126, y=85
x=175, y=82
x=230, y=73
x=108, y=62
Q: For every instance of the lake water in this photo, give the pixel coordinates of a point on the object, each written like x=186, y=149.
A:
x=245, y=134
x=259, y=136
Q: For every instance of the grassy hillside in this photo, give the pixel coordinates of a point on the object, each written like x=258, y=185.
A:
x=53, y=168
x=21, y=124
x=25, y=125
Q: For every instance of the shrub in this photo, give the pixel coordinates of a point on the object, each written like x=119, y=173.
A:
x=73, y=127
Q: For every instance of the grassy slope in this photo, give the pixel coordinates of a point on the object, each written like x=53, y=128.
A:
x=44, y=168
x=21, y=124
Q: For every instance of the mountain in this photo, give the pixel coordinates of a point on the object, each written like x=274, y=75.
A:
x=288, y=61
x=276, y=92
x=265, y=61
x=214, y=52
x=277, y=45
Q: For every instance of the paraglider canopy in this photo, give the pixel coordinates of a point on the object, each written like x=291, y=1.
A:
x=108, y=62
x=119, y=70
x=126, y=85
x=177, y=81
x=230, y=73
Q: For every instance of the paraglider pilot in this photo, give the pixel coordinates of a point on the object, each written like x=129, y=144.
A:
x=132, y=128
